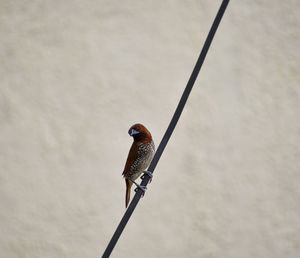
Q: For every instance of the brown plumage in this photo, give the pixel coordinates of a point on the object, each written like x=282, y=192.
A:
x=139, y=156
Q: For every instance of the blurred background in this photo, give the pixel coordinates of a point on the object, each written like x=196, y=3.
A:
x=75, y=75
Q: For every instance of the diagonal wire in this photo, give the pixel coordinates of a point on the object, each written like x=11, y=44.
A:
x=169, y=131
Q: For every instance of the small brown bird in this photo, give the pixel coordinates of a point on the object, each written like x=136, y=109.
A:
x=139, y=156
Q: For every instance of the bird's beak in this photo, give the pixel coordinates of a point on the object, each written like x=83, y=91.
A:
x=132, y=132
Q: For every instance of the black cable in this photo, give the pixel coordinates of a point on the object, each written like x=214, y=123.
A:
x=170, y=129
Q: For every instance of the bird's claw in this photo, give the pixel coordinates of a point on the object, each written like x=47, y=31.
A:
x=146, y=172
x=141, y=187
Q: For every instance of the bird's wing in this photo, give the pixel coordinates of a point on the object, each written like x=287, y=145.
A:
x=132, y=156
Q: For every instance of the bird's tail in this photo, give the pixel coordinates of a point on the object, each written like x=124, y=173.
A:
x=128, y=188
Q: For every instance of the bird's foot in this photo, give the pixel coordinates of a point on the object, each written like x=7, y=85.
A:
x=146, y=172
x=141, y=187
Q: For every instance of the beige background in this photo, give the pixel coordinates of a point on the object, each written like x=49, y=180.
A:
x=75, y=75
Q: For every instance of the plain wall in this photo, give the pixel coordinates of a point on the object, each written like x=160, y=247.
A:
x=75, y=75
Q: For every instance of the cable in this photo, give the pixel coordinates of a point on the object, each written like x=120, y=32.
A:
x=169, y=131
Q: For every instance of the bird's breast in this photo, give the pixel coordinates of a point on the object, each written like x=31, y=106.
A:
x=144, y=156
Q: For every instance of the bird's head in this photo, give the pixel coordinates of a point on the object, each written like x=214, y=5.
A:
x=140, y=133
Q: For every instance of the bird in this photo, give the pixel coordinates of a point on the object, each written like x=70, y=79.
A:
x=139, y=156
